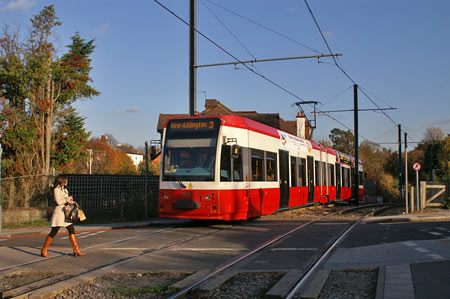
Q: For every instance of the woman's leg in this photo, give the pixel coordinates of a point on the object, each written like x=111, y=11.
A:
x=73, y=240
x=48, y=241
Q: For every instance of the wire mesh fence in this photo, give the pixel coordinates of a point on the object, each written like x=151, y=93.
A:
x=115, y=196
x=100, y=196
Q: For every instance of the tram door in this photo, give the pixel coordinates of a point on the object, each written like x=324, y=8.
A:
x=284, y=179
x=338, y=181
x=310, y=164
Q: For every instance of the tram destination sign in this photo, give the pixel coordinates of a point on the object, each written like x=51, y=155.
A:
x=193, y=125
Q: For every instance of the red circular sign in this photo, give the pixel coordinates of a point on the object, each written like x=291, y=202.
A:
x=417, y=166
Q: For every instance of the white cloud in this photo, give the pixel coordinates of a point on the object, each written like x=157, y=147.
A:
x=19, y=5
x=101, y=30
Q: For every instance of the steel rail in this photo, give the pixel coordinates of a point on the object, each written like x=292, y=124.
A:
x=325, y=255
x=113, y=264
x=184, y=291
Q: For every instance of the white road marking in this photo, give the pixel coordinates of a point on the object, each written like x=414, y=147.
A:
x=293, y=249
x=435, y=256
x=209, y=249
x=436, y=234
x=126, y=248
x=409, y=243
x=331, y=223
x=421, y=249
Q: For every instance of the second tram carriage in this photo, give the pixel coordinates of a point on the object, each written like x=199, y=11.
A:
x=231, y=168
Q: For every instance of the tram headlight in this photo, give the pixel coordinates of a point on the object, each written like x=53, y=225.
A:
x=207, y=197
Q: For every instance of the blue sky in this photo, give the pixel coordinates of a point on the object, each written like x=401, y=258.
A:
x=397, y=51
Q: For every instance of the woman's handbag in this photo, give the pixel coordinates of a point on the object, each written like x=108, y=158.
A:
x=73, y=213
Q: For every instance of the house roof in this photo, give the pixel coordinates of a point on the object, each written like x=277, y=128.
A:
x=126, y=149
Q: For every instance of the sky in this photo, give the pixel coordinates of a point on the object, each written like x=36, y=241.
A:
x=396, y=51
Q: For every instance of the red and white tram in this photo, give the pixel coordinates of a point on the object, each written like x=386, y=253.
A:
x=231, y=168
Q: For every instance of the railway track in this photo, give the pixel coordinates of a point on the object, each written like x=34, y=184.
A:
x=29, y=289
x=206, y=282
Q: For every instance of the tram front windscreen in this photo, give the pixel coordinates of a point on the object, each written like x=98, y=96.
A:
x=190, y=148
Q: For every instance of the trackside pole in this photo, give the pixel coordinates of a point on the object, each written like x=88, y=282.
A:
x=355, y=114
x=1, y=151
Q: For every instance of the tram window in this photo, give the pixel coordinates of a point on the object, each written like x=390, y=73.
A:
x=271, y=166
x=257, y=165
x=331, y=174
x=302, y=173
x=345, y=177
x=225, y=164
x=237, y=167
x=317, y=165
x=360, y=178
x=324, y=173
x=293, y=172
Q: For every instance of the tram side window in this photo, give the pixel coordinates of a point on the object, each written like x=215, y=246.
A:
x=324, y=173
x=257, y=165
x=360, y=177
x=271, y=166
x=331, y=174
x=317, y=166
x=345, y=177
x=302, y=173
x=237, y=167
x=225, y=164
x=293, y=172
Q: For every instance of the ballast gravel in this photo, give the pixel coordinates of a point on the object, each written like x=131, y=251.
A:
x=124, y=285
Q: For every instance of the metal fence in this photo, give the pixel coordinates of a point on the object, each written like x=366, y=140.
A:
x=100, y=196
x=115, y=196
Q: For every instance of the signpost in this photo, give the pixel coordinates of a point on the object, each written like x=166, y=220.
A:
x=417, y=167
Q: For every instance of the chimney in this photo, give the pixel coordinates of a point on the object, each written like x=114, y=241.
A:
x=105, y=138
x=301, y=125
x=210, y=104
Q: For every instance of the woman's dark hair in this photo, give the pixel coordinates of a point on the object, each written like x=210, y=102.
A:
x=59, y=180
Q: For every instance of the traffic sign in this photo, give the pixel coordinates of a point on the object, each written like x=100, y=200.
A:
x=417, y=166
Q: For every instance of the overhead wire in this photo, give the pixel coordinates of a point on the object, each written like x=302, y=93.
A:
x=339, y=67
x=228, y=53
x=229, y=31
x=265, y=27
x=255, y=72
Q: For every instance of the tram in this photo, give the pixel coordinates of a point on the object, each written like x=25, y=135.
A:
x=229, y=167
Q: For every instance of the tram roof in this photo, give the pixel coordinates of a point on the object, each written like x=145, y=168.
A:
x=246, y=123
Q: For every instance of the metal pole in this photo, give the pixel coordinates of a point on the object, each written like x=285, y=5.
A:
x=90, y=160
x=192, y=57
x=400, y=163
x=355, y=113
x=146, y=180
x=417, y=191
x=406, y=174
x=1, y=151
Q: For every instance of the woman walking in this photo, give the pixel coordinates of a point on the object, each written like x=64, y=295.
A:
x=58, y=219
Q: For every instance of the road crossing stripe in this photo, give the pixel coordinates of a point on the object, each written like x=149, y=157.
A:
x=420, y=249
x=435, y=256
x=410, y=243
x=436, y=234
